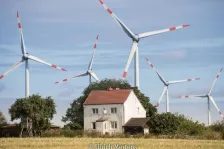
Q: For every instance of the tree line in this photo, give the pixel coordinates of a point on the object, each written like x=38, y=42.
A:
x=41, y=111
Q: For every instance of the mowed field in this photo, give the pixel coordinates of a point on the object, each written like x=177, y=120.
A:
x=106, y=143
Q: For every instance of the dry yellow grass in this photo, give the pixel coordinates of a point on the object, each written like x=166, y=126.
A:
x=83, y=143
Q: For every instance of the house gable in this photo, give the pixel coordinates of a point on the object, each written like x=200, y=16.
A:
x=133, y=108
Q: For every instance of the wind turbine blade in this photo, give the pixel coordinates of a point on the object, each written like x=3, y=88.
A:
x=146, y=34
x=21, y=34
x=151, y=65
x=67, y=79
x=94, y=76
x=161, y=96
x=180, y=81
x=44, y=62
x=132, y=52
x=193, y=96
x=214, y=82
x=213, y=101
x=94, y=51
x=123, y=26
x=12, y=68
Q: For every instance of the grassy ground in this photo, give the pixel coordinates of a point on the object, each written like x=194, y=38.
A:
x=84, y=143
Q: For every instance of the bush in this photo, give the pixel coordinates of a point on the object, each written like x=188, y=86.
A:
x=218, y=126
x=173, y=124
x=212, y=135
x=92, y=134
x=191, y=128
x=73, y=126
x=51, y=133
x=72, y=133
x=165, y=123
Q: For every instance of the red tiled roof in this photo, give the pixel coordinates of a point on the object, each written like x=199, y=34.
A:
x=107, y=97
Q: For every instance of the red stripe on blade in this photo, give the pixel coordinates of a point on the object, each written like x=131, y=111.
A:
x=197, y=79
x=221, y=70
x=56, y=82
x=65, y=80
x=54, y=66
x=151, y=65
x=94, y=46
x=220, y=112
x=19, y=25
x=2, y=76
x=189, y=79
x=63, y=69
x=97, y=37
x=101, y=1
x=186, y=96
x=172, y=28
x=17, y=14
x=217, y=76
x=110, y=12
x=124, y=74
x=186, y=25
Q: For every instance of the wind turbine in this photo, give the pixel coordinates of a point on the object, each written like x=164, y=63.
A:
x=166, y=85
x=136, y=38
x=209, y=97
x=25, y=58
x=89, y=72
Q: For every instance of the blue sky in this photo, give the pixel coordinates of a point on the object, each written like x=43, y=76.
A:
x=63, y=33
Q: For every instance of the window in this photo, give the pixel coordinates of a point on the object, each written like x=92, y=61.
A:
x=114, y=125
x=113, y=110
x=105, y=125
x=95, y=111
x=94, y=125
x=138, y=110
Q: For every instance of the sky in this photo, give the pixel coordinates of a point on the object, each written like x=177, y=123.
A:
x=63, y=32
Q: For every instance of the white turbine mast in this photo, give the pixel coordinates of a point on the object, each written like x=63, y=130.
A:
x=135, y=38
x=89, y=72
x=209, y=98
x=25, y=58
x=166, y=85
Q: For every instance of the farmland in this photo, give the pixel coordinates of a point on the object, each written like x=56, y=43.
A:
x=111, y=143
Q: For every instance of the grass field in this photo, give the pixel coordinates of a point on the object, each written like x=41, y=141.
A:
x=84, y=143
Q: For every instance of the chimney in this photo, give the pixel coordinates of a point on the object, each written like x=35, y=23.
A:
x=110, y=89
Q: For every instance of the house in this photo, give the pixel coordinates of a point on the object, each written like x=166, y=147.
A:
x=114, y=111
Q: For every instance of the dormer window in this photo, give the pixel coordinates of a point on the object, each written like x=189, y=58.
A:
x=95, y=110
x=113, y=110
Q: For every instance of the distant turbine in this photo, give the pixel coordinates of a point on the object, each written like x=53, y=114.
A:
x=136, y=38
x=166, y=85
x=89, y=71
x=25, y=59
x=209, y=97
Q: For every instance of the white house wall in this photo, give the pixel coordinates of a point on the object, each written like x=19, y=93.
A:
x=89, y=117
x=131, y=108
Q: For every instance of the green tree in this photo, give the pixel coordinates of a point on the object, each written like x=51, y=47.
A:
x=74, y=114
x=2, y=119
x=39, y=110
